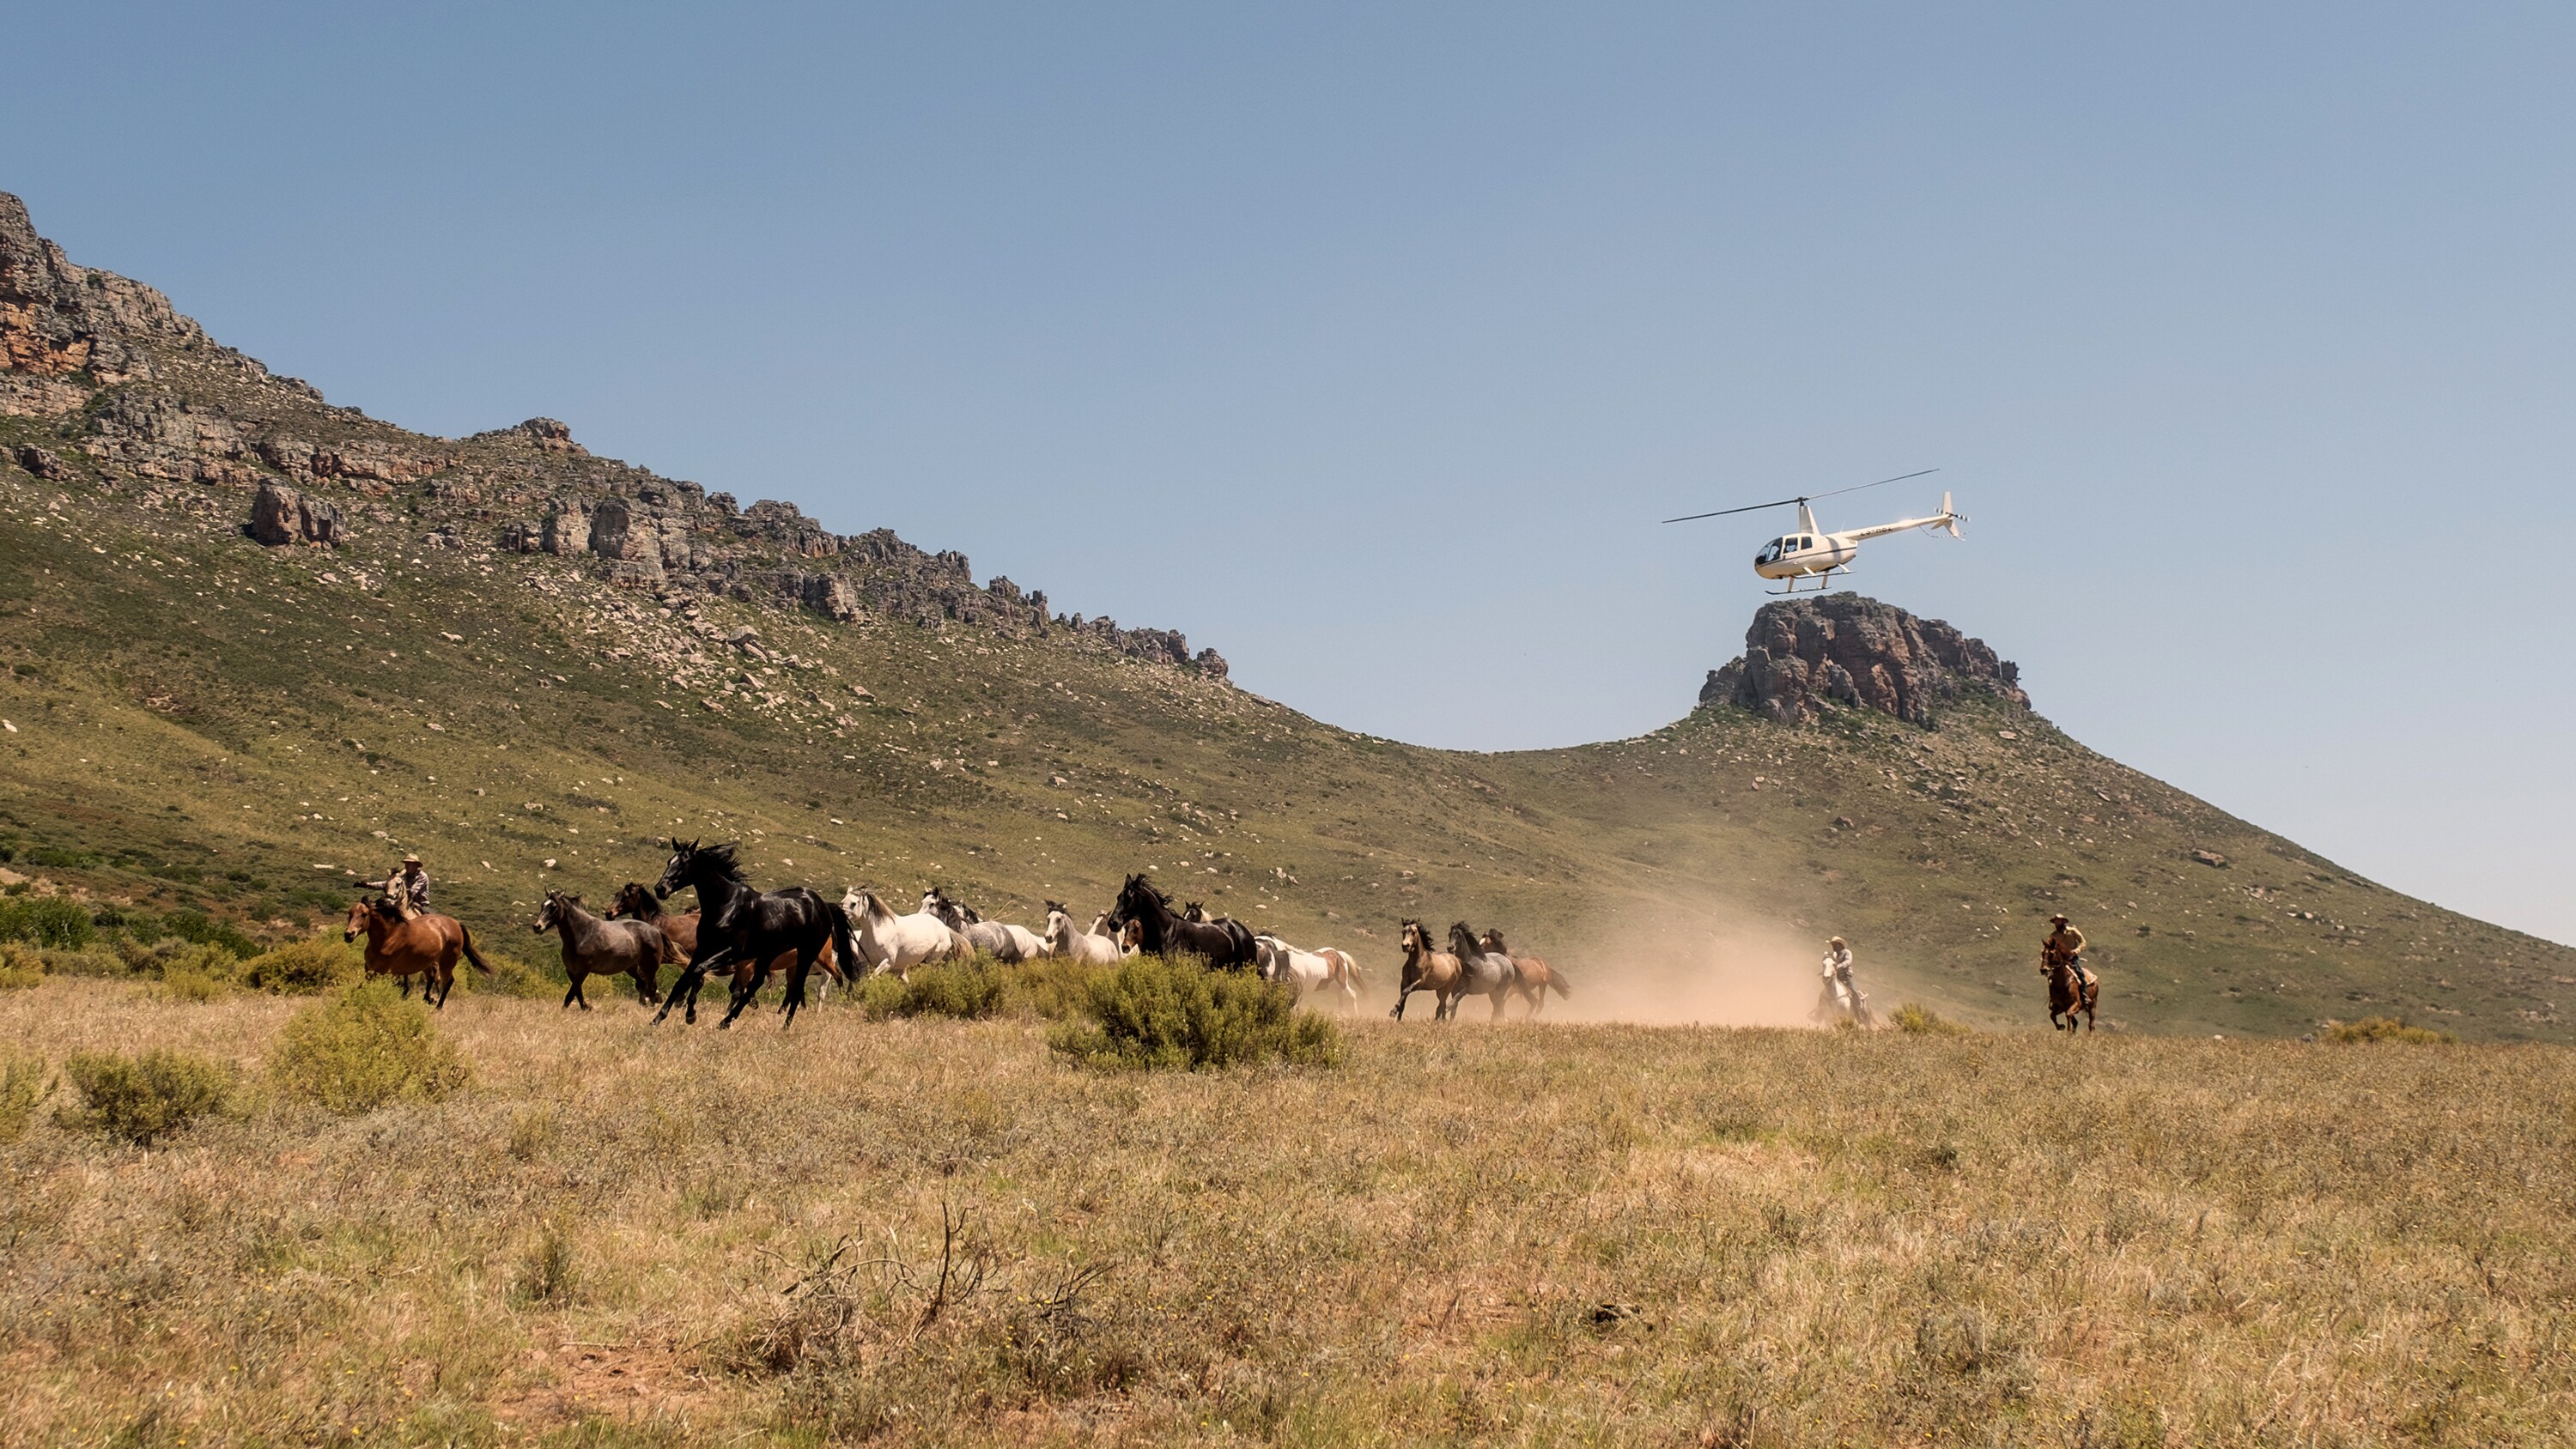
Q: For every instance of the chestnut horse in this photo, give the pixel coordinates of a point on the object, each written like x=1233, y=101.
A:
x=1438, y=972
x=636, y=901
x=2071, y=989
x=1535, y=978
x=425, y=946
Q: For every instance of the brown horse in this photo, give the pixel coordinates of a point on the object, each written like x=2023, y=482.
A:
x=1438, y=972
x=426, y=946
x=1535, y=978
x=2071, y=989
x=635, y=901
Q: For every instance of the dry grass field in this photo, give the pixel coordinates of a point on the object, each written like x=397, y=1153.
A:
x=930, y=1232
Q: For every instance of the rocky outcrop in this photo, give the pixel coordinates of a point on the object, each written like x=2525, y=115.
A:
x=281, y=515
x=137, y=397
x=57, y=318
x=1805, y=656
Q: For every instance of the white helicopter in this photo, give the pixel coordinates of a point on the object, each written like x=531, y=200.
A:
x=1812, y=553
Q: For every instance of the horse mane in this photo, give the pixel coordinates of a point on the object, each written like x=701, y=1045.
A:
x=722, y=856
x=637, y=897
x=1139, y=883
x=1493, y=942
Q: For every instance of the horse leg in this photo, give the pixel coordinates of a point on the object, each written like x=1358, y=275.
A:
x=796, y=984
x=746, y=985
x=572, y=992
x=406, y=989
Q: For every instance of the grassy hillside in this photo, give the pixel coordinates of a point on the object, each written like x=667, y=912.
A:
x=204, y=721
x=199, y=721
x=629, y=1235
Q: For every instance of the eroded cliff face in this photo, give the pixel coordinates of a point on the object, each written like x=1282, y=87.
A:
x=104, y=383
x=1803, y=657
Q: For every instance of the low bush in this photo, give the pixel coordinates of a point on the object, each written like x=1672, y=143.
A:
x=198, y=928
x=23, y=1088
x=55, y=921
x=968, y=991
x=2385, y=1028
x=87, y=961
x=20, y=966
x=1922, y=1020
x=362, y=1049
x=142, y=1099
x=1057, y=990
x=514, y=977
x=1164, y=1015
x=304, y=967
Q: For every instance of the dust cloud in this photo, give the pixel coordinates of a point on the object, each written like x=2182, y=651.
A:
x=1694, y=972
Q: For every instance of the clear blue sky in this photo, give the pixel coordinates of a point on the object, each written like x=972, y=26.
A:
x=1367, y=342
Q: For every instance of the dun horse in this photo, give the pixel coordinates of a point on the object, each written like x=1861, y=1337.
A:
x=737, y=923
x=1426, y=969
x=425, y=946
x=596, y=947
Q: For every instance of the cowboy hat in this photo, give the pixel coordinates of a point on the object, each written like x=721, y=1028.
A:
x=411, y=860
x=2057, y=920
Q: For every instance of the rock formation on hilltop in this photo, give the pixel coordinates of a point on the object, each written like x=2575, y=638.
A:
x=1803, y=656
x=128, y=394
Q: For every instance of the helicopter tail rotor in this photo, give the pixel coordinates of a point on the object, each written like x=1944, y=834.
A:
x=1950, y=514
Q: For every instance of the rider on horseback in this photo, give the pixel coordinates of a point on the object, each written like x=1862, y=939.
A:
x=2065, y=947
x=407, y=888
x=1841, y=995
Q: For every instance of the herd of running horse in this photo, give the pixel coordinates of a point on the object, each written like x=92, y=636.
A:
x=751, y=935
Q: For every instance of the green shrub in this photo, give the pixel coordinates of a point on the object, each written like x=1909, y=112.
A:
x=143, y=1098
x=2385, y=1028
x=1057, y=990
x=55, y=921
x=362, y=1049
x=514, y=977
x=880, y=997
x=969, y=991
x=91, y=961
x=20, y=966
x=205, y=930
x=23, y=1087
x=1922, y=1020
x=1164, y=1015
x=304, y=967
x=191, y=983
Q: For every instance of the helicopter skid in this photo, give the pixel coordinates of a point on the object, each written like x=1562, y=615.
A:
x=1822, y=581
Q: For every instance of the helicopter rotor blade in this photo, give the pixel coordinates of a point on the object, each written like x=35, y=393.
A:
x=1803, y=498
x=1747, y=508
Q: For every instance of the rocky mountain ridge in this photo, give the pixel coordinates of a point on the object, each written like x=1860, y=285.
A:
x=1803, y=657
x=138, y=397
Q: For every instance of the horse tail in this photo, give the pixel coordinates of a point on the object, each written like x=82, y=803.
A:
x=843, y=945
x=1556, y=979
x=465, y=935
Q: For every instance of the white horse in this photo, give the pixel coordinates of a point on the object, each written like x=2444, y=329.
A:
x=898, y=943
x=1094, y=947
x=998, y=939
x=1310, y=971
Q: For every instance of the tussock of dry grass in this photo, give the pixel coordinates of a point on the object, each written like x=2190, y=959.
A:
x=934, y=1231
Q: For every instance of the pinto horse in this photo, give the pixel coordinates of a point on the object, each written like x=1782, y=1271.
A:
x=2071, y=990
x=1535, y=978
x=635, y=901
x=1425, y=969
x=425, y=946
x=1224, y=944
x=737, y=924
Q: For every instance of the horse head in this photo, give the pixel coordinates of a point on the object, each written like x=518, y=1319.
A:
x=549, y=911
x=695, y=863
x=1413, y=936
x=636, y=899
x=1194, y=912
x=1135, y=898
x=1493, y=943
x=1462, y=941
x=364, y=912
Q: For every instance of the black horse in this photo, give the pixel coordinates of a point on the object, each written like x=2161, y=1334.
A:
x=735, y=922
x=1224, y=943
